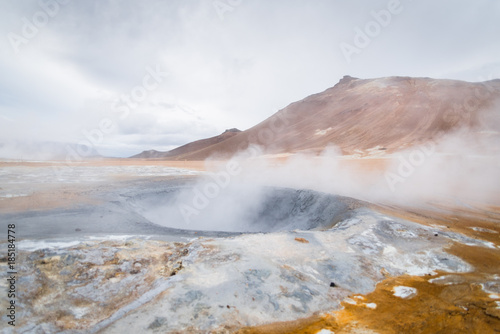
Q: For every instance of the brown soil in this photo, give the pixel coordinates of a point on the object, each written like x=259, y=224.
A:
x=50, y=196
x=45, y=199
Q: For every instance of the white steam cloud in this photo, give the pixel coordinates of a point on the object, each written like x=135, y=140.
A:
x=462, y=168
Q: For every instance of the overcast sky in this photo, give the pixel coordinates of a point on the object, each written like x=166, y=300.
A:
x=65, y=66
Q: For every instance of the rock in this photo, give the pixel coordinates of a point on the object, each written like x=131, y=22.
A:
x=157, y=323
x=302, y=240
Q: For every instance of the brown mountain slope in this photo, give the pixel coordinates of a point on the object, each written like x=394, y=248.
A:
x=190, y=147
x=379, y=114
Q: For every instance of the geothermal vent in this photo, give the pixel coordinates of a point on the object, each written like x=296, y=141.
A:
x=266, y=209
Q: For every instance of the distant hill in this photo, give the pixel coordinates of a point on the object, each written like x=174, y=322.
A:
x=188, y=148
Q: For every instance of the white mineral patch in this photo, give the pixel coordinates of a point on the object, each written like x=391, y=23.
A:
x=447, y=280
x=482, y=229
x=492, y=288
x=66, y=174
x=325, y=331
x=467, y=240
x=437, y=280
x=404, y=292
x=123, y=237
x=483, y=243
x=79, y=312
x=371, y=305
x=350, y=301
x=34, y=245
x=13, y=195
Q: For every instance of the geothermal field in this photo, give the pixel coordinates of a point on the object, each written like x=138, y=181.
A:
x=259, y=243
x=249, y=167
x=305, y=223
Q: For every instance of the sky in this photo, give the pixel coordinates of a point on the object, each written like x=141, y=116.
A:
x=126, y=76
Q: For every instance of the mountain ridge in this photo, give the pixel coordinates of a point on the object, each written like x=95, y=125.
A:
x=363, y=115
x=189, y=147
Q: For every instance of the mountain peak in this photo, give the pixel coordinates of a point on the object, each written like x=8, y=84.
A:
x=232, y=130
x=346, y=79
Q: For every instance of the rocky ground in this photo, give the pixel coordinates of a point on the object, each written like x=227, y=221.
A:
x=98, y=265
